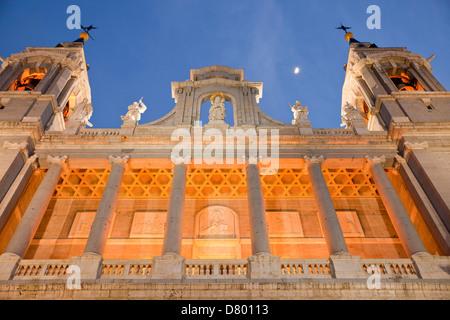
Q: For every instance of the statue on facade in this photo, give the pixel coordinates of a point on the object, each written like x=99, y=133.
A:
x=134, y=112
x=349, y=113
x=83, y=112
x=217, y=111
x=300, y=112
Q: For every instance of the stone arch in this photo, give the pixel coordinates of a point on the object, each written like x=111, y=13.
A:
x=204, y=97
x=216, y=234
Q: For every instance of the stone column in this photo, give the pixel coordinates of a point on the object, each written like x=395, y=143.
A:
x=174, y=225
x=102, y=222
x=32, y=217
x=257, y=212
x=327, y=213
x=171, y=264
x=397, y=212
x=262, y=265
x=343, y=265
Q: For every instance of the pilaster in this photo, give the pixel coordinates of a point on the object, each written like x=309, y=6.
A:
x=36, y=209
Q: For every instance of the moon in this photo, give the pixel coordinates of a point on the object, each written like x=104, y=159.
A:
x=297, y=70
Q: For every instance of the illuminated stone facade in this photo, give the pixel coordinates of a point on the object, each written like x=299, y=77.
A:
x=328, y=212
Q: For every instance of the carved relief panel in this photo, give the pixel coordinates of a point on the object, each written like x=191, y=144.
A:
x=216, y=222
x=81, y=225
x=216, y=234
x=284, y=224
x=148, y=225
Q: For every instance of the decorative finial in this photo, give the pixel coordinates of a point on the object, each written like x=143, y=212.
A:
x=85, y=35
x=348, y=35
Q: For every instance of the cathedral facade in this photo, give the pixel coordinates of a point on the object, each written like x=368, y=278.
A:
x=261, y=209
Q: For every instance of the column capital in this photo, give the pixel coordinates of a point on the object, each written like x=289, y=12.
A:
x=176, y=160
x=33, y=161
x=313, y=160
x=60, y=161
x=398, y=162
x=187, y=165
x=120, y=160
x=251, y=160
x=373, y=160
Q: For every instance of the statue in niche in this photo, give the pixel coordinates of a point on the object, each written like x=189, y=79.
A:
x=300, y=113
x=83, y=112
x=134, y=112
x=217, y=111
x=349, y=114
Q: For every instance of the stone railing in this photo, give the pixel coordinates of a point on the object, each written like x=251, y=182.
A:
x=99, y=132
x=389, y=268
x=305, y=268
x=216, y=269
x=126, y=269
x=42, y=269
x=327, y=132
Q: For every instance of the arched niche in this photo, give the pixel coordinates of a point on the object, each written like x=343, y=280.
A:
x=203, y=101
x=216, y=234
x=28, y=79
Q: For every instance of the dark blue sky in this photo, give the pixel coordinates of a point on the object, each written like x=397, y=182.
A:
x=142, y=46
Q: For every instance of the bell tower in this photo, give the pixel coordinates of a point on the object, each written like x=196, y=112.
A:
x=392, y=85
x=395, y=91
x=40, y=91
x=44, y=85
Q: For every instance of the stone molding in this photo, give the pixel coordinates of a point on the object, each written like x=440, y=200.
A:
x=14, y=145
x=410, y=146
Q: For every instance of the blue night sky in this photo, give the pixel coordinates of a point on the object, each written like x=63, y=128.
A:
x=142, y=46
